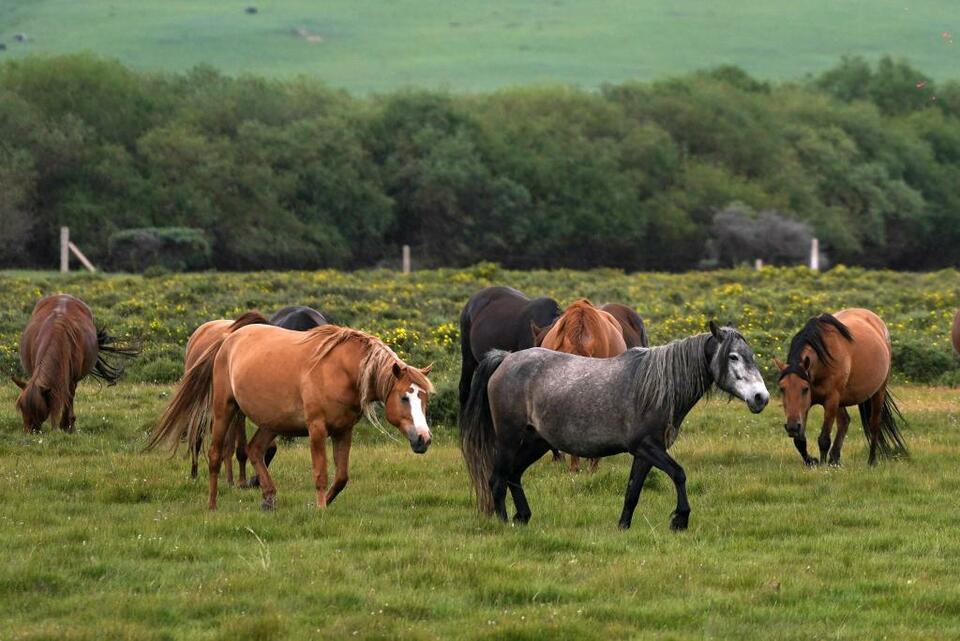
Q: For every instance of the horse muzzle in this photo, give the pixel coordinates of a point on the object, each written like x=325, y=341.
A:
x=758, y=402
x=419, y=442
x=794, y=430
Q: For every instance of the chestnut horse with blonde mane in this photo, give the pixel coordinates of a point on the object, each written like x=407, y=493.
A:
x=316, y=383
x=59, y=347
x=837, y=361
x=295, y=317
x=584, y=330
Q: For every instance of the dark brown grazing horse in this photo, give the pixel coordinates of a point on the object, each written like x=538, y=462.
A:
x=634, y=331
x=296, y=317
x=584, y=330
x=61, y=345
x=837, y=361
x=498, y=318
x=316, y=383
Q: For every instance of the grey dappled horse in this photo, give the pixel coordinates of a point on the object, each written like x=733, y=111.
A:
x=523, y=404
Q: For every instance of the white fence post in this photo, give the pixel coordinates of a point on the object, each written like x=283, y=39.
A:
x=815, y=254
x=406, y=259
x=758, y=264
x=64, y=250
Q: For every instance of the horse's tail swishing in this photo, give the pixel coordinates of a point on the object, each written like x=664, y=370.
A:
x=187, y=415
x=107, y=344
x=477, y=434
x=889, y=441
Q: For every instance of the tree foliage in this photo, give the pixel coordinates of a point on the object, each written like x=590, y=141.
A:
x=283, y=174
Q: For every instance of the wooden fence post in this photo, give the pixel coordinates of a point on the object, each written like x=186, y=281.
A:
x=64, y=250
x=815, y=254
x=406, y=259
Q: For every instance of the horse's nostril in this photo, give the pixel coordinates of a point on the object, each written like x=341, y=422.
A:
x=758, y=398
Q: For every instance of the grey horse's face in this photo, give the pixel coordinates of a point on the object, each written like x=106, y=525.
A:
x=734, y=368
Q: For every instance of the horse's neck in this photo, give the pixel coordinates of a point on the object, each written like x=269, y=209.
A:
x=680, y=396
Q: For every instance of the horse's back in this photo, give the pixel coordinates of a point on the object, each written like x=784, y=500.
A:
x=58, y=313
x=501, y=317
x=631, y=324
x=298, y=318
x=869, y=354
x=202, y=338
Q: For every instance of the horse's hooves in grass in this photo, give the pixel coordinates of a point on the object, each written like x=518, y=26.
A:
x=624, y=525
x=253, y=481
x=812, y=462
x=521, y=519
x=269, y=504
x=836, y=463
x=679, y=522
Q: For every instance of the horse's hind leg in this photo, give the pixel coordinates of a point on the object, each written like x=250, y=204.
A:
x=68, y=419
x=318, y=454
x=656, y=454
x=508, y=443
x=876, y=414
x=843, y=422
x=530, y=452
x=255, y=449
x=638, y=474
x=222, y=415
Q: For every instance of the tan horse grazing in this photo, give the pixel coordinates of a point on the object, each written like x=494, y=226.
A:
x=955, y=333
x=59, y=347
x=838, y=361
x=583, y=330
x=201, y=340
x=316, y=383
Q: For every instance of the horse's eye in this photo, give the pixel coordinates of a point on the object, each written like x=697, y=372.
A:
x=734, y=357
x=805, y=390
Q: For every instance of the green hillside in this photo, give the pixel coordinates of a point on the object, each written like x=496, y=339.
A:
x=372, y=46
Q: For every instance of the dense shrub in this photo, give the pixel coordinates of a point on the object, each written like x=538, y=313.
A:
x=174, y=248
x=291, y=174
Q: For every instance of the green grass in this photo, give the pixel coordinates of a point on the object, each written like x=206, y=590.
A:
x=375, y=46
x=101, y=541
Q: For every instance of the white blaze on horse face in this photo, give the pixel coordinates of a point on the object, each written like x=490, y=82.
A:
x=748, y=383
x=416, y=411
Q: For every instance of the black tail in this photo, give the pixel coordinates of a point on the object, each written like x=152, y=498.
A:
x=889, y=442
x=477, y=434
x=107, y=344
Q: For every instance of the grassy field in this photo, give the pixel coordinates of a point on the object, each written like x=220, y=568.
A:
x=375, y=46
x=101, y=541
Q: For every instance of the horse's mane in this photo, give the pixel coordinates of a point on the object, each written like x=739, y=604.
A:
x=375, y=379
x=579, y=318
x=812, y=335
x=673, y=376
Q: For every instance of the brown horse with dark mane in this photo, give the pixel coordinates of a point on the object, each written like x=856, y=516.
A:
x=631, y=325
x=837, y=361
x=583, y=330
x=61, y=345
x=316, y=383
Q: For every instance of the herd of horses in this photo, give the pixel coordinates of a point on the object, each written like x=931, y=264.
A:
x=534, y=378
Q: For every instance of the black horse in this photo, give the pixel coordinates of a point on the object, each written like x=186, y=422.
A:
x=499, y=318
x=298, y=318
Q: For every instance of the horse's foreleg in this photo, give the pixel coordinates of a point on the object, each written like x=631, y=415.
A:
x=68, y=419
x=657, y=455
x=830, y=408
x=638, y=474
x=255, y=449
x=341, y=459
x=843, y=422
x=800, y=442
x=574, y=463
x=318, y=453
x=593, y=465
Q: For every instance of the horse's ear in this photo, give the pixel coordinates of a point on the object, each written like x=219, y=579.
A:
x=806, y=363
x=426, y=370
x=780, y=364
x=397, y=370
x=715, y=330
x=22, y=384
x=536, y=329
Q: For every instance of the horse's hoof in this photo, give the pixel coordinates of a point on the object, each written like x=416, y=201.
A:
x=835, y=463
x=253, y=481
x=679, y=521
x=521, y=519
x=811, y=462
x=269, y=504
x=624, y=525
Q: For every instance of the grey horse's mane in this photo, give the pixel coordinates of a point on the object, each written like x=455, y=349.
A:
x=673, y=377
